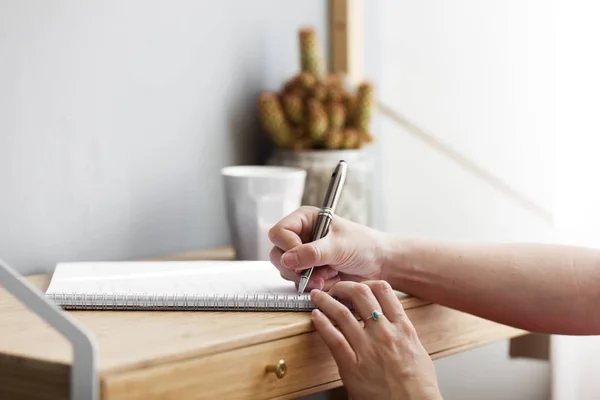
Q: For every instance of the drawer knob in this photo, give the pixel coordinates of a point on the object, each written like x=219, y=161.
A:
x=279, y=369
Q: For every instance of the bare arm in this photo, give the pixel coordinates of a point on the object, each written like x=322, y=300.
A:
x=537, y=287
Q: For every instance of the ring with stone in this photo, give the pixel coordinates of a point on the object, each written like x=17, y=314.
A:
x=375, y=315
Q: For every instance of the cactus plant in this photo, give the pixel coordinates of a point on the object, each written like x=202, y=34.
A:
x=334, y=139
x=337, y=115
x=293, y=107
x=314, y=109
x=311, y=60
x=274, y=121
x=352, y=138
x=316, y=119
x=364, y=99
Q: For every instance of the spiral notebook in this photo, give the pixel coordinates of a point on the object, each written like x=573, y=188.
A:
x=174, y=285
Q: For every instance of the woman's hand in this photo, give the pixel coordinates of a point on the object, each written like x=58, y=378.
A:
x=382, y=360
x=349, y=251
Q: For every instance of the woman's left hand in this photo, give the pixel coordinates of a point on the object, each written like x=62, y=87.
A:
x=382, y=360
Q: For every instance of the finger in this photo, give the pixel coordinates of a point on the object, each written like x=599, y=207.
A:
x=317, y=253
x=360, y=295
x=385, y=295
x=327, y=285
x=294, y=229
x=334, y=339
x=351, y=277
x=286, y=273
x=341, y=315
x=319, y=276
x=323, y=284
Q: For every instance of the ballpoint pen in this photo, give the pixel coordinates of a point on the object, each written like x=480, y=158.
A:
x=326, y=213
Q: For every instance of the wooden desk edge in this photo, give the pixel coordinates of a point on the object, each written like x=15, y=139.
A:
x=59, y=370
x=228, y=253
x=41, y=280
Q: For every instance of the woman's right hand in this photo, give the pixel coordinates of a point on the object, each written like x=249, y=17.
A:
x=349, y=251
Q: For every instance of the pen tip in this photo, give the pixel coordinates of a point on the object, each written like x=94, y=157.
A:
x=302, y=285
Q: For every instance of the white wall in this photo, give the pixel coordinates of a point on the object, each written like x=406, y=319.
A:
x=116, y=117
x=576, y=360
x=477, y=77
x=480, y=76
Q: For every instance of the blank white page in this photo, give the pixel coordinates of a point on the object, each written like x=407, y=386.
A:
x=179, y=278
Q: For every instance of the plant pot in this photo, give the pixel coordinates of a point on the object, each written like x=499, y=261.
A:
x=355, y=200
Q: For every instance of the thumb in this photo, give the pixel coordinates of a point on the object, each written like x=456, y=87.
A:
x=319, y=252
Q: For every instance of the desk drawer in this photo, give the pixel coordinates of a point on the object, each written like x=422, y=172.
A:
x=239, y=374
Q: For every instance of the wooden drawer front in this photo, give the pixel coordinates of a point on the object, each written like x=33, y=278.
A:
x=239, y=374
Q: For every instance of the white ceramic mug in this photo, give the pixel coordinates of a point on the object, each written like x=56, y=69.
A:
x=257, y=197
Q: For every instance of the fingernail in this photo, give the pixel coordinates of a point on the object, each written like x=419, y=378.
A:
x=316, y=312
x=290, y=260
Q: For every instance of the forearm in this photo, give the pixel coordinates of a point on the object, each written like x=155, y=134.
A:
x=536, y=287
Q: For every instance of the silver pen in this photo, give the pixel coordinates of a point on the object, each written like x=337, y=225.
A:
x=326, y=213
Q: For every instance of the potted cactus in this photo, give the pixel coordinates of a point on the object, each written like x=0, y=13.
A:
x=314, y=121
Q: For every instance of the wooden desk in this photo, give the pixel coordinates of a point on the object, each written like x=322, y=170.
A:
x=200, y=354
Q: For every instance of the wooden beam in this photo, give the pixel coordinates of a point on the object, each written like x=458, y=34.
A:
x=347, y=37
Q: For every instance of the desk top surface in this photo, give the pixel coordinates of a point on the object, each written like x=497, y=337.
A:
x=142, y=338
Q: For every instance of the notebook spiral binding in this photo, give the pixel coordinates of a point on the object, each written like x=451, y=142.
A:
x=216, y=302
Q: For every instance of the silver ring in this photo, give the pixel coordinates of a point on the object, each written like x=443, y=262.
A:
x=375, y=315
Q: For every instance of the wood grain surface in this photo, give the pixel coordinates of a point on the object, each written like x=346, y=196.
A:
x=175, y=354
